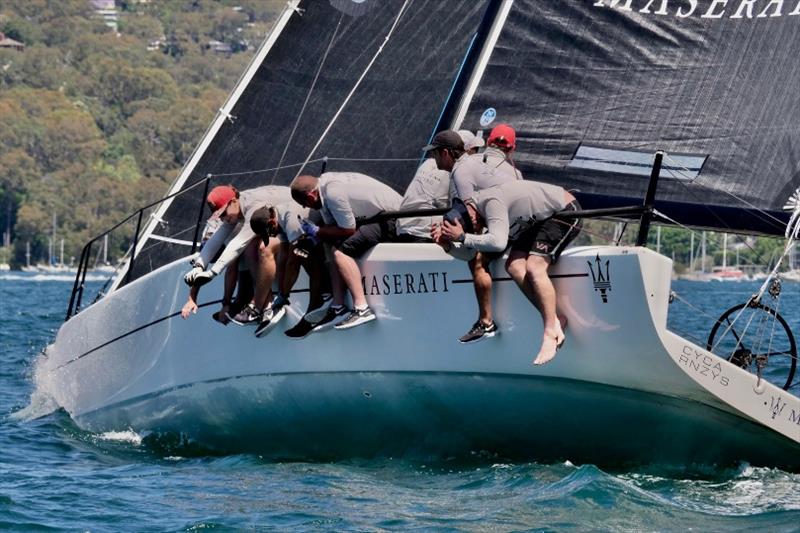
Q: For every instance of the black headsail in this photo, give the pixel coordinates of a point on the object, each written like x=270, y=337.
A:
x=322, y=50
x=595, y=87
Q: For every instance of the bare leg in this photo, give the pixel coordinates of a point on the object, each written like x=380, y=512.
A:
x=288, y=269
x=545, y=298
x=262, y=264
x=516, y=266
x=351, y=275
x=337, y=284
x=482, y=283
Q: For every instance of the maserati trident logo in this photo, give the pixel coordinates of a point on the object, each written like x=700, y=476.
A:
x=776, y=406
x=601, y=279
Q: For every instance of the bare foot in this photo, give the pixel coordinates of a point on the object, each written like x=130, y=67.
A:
x=550, y=345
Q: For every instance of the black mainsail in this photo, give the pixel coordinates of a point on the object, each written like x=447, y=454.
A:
x=305, y=78
x=595, y=87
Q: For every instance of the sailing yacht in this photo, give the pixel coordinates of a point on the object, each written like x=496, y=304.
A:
x=679, y=116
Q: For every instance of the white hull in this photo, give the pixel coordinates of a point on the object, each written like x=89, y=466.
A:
x=623, y=388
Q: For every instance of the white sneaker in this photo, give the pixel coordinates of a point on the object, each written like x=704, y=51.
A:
x=356, y=318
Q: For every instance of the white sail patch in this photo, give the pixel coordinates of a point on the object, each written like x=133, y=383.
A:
x=676, y=166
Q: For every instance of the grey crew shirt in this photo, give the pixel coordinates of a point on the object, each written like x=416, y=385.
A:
x=475, y=172
x=347, y=196
x=510, y=209
x=428, y=190
x=249, y=201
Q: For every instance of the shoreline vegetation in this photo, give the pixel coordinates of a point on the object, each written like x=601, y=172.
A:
x=97, y=121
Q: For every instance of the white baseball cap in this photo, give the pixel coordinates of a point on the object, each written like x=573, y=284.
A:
x=470, y=139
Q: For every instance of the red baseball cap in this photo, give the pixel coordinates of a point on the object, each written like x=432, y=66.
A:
x=503, y=136
x=219, y=198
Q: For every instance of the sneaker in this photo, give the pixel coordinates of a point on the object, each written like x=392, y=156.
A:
x=269, y=319
x=332, y=317
x=478, y=332
x=300, y=330
x=249, y=316
x=356, y=318
x=221, y=317
x=316, y=315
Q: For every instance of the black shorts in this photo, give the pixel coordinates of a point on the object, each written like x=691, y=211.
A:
x=550, y=236
x=366, y=237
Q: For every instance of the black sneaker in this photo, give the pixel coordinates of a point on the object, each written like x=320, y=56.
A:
x=478, y=332
x=315, y=315
x=300, y=330
x=249, y=316
x=356, y=318
x=332, y=317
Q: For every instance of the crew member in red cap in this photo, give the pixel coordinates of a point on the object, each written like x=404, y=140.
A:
x=470, y=173
x=235, y=208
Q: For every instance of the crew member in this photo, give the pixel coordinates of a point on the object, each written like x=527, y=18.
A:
x=470, y=173
x=286, y=221
x=342, y=198
x=529, y=215
x=235, y=209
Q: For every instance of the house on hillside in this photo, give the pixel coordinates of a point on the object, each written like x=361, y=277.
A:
x=7, y=42
x=106, y=10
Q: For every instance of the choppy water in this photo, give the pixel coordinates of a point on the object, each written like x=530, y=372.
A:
x=54, y=476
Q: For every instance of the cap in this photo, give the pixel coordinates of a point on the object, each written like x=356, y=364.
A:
x=445, y=139
x=503, y=136
x=260, y=223
x=470, y=139
x=458, y=212
x=219, y=198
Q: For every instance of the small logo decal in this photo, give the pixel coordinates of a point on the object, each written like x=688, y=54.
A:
x=488, y=116
x=600, y=279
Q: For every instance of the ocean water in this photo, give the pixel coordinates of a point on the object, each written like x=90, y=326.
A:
x=55, y=476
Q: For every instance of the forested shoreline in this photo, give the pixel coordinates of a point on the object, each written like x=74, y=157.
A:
x=96, y=122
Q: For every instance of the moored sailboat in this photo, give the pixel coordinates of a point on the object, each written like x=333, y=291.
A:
x=592, y=102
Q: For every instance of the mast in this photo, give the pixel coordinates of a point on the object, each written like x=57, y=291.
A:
x=703, y=253
x=691, y=253
x=28, y=254
x=724, y=251
x=62, y=253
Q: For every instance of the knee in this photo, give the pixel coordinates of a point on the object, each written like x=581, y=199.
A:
x=515, y=269
x=536, y=267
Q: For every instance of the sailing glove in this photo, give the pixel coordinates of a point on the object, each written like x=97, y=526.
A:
x=202, y=278
x=190, y=276
x=310, y=230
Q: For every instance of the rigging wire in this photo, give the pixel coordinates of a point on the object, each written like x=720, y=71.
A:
x=308, y=97
x=355, y=87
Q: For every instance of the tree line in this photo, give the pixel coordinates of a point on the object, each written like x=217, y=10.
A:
x=96, y=122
